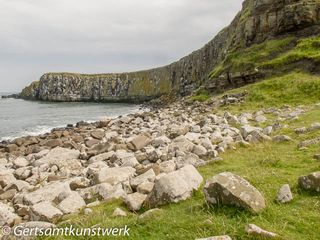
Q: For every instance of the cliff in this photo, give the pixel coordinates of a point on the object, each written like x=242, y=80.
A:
x=259, y=21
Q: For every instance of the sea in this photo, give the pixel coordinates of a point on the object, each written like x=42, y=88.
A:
x=20, y=118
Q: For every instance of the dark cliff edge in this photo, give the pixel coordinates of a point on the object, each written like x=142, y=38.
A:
x=257, y=22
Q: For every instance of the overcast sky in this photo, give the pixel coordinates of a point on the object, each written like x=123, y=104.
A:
x=98, y=36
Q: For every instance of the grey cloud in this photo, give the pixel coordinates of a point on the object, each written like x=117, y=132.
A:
x=102, y=35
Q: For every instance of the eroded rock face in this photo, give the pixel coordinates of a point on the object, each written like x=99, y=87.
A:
x=229, y=189
x=175, y=186
x=258, y=21
x=310, y=182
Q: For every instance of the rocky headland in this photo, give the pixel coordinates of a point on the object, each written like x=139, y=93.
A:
x=154, y=158
x=258, y=21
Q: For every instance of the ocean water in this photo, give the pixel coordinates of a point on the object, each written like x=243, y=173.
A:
x=23, y=118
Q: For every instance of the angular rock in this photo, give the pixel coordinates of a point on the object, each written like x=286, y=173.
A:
x=108, y=192
x=310, y=182
x=139, y=142
x=114, y=175
x=284, y=194
x=91, y=142
x=45, y=211
x=79, y=182
x=7, y=215
x=47, y=193
x=20, y=162
x=225, y=237
x=167, y=166
x=152, y=213
x=118, y=212
x=247, y=130
x=229, y=189
x=53, y=143
x=175, y=186
x=61, y=157
x=308, y=143
x=99, y=149
x=97, y=134
x=254, y=230
x=148, y=176
x=135, y=201
x=160, y=141
x=145, y=187
x=200, y=150
x=281, y=138
x=72, y=203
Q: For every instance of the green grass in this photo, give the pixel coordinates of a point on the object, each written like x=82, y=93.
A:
x=200, y=96
x=267, y=166
x=306, y=49
x=270, y=54
x=295, y=88
x=250, y=58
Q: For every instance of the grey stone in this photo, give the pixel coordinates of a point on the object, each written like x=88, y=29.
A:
x=254, y=230
x=45, y=211
x=284, y=194
x=175, y=186
x=135, y=201
x=114, y=175
x=229, y=189
x=118, y=212
x=310, y=182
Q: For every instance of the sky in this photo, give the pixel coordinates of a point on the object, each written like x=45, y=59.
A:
x=100, y=36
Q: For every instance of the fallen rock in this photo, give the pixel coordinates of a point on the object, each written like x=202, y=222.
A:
x=167, y=166
x=310, y=182
x=151, y=213
x=145, y=187
x=118, y=212
x=52, y=143
x=308, y=143
x=87, y=211
x=148, y=176
x=99, y=149
x=72, y=203
x=47, y=193
x=61, y=157
x=229, y=189
x=254, y=230
x=139, y=142
x=247, y=130
x=97, y=134
x=7, y=215
x=135, y=201
x=114, y=175
x=45, y=211
x=107, y=192
x=20, y=162
x=175, y=186
x=225, y=237
x=281, y=138
x=284, y=194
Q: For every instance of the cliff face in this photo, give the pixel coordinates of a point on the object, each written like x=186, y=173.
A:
x=259, y=20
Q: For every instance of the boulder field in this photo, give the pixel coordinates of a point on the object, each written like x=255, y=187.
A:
x=148, y=159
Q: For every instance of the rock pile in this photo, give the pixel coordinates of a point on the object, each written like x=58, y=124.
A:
x=146, y=159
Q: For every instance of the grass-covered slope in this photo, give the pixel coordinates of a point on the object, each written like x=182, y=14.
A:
x=267, y=166
x=269, y=56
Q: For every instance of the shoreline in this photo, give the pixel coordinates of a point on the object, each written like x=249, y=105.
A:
x=123, y=158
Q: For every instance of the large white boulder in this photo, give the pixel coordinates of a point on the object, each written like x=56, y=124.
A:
x=175, y=186
x=229, y=189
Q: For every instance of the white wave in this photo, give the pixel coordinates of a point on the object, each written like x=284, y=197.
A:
x=37, y=130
